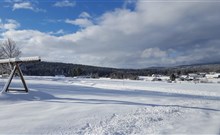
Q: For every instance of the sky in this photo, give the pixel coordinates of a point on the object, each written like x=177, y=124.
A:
x=114, y=33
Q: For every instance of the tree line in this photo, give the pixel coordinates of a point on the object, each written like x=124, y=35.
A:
x=71, y=70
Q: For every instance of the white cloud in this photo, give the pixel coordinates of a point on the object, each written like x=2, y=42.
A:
x=59, y=32
x=64, y=3
x=23, y=5
x=33, y=42
x=9, y=24
x=84, y=15
x=154, y=34
x=82, y=22
x=20, y=4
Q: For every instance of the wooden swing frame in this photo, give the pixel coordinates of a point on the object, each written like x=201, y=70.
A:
x=13, y=72
x=16, y=62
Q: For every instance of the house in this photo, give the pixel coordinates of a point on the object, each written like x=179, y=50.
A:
x=213, y=75
x=193, y=76
x=156, y=75
x=183, y=77
x=202, y=74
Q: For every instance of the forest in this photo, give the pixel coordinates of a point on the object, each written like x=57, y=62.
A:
x=71, y=70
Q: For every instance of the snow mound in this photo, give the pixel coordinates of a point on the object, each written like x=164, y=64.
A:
x=142, y=121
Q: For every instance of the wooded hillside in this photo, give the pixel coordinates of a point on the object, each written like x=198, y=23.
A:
x=70, y=70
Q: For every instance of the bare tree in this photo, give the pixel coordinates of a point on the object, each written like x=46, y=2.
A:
x=9, y=49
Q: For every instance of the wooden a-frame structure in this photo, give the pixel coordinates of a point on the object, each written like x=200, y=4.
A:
x=16, y=69
x=13, y=72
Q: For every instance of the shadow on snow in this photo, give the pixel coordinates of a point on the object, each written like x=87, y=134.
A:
x=48, y=93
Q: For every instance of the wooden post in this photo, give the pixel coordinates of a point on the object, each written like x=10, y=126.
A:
x=16, y=68
x=9, y=80
x=22, y=77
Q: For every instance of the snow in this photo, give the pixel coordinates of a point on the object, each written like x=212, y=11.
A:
x=62, y=105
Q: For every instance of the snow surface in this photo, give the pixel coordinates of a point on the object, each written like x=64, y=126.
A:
x=61, y=105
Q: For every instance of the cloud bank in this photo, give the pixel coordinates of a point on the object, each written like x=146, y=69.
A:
x=153, y=34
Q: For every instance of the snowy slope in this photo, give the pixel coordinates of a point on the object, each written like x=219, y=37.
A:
x=57, y=105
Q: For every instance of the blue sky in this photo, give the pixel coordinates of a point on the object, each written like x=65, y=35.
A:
x=114, y=33
x=51, y=17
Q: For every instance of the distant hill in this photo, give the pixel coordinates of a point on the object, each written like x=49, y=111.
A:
x=202, y=64
x=66, y=69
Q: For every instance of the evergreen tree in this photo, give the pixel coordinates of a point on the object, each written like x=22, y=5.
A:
x=172, y=77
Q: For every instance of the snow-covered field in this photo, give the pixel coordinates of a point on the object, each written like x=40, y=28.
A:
x=57, y=105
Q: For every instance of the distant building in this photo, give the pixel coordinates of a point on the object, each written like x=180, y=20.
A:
x=195, y=76
x=183, y=77
x=202, y=74
x=156, y=75
x=213, y=75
